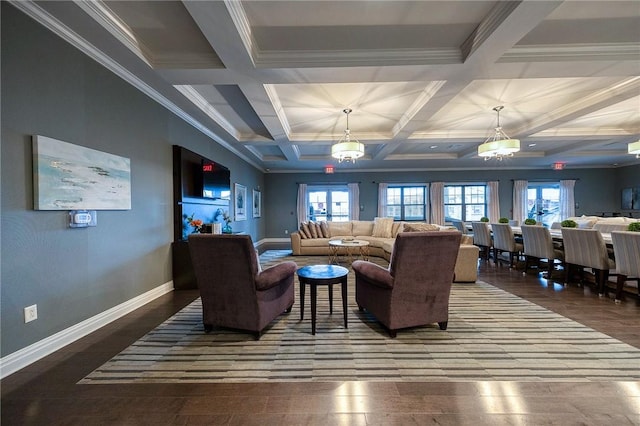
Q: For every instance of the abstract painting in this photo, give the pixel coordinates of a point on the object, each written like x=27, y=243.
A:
x=72, y=177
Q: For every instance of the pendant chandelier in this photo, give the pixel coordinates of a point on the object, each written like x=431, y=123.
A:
x=498, y=145
x=634, y=148
x=347, y=149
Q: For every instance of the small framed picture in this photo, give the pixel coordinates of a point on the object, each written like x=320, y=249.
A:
x=257, y=202
x=240, y=202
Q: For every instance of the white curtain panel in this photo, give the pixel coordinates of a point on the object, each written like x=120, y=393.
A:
x=436, y=196
x=493, y=201
x=567, y=199
x=520, y=200
x=354, y=201
x=382, y=199
x=301, y=206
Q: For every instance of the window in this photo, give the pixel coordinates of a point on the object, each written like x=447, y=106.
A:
x=465, y=202
x=406, y=203
x=543, y=203
x=328, y=203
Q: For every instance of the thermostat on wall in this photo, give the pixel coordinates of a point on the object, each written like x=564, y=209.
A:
x=82, y=218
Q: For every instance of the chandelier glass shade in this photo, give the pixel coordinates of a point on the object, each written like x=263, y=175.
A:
x=634, y=148
x=498, y=145
x=347, y=149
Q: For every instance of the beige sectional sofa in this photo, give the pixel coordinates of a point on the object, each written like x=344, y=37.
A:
x=603, y=224
x=317, y=243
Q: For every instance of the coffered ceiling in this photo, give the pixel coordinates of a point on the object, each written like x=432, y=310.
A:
x=269, y=79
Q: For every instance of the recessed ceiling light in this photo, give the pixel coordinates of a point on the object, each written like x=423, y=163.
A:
x=532, y=144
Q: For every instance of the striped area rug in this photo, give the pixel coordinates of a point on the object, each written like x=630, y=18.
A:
x=492, y=335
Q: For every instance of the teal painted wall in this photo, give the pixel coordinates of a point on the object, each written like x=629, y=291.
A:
x=596, y=190
x=52, y=89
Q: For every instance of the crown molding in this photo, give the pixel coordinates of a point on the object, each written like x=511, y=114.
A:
x=573, y=52
x=243, y=26
x=104, y=16
x=354, y=58
x=44, y=18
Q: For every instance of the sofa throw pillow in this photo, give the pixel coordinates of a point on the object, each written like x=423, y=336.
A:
x=397, y=228
x=382, y=227
x=325, y=229
x=304, y=231
x=420, y=227
x=313, y=230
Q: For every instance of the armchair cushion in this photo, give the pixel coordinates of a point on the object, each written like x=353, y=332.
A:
x=274, y=275
x=376, y=274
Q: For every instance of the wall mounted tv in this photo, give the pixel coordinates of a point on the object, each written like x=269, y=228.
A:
x=216, y=181
x=196, y=176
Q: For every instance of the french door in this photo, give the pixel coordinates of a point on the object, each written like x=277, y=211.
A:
x=543, y=203
x=328, y=203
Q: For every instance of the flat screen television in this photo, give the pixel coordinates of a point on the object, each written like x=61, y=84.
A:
x=631, y=199
x=216, y=181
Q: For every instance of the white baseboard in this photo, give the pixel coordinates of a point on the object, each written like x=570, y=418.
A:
x=32, y=353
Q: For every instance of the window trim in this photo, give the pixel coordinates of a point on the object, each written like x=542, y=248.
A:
x=402, y=205
x=463, y=204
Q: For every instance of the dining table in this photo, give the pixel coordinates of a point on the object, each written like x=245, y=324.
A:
x=556, y=235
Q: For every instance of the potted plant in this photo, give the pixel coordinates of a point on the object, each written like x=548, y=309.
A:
x=503, y=220
x=568, y=223
x=634, y=227
x=484, y=219
x=530, y=221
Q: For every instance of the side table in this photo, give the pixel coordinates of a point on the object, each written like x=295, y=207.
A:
x=315, y=275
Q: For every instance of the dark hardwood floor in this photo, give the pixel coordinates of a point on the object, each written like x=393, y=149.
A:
x=46, y=393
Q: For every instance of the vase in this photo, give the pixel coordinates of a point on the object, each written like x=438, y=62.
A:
x=227, y=229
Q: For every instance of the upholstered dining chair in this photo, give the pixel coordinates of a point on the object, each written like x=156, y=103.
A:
x=505, y=242
x=460, y=226
x=482, y=237
x=235, y=293
x=414, y=290
x=586, y=248
x=626, y=248
x=538, y=244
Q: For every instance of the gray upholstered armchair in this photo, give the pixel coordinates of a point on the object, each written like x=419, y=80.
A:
x=415, y=289
x=234, y=292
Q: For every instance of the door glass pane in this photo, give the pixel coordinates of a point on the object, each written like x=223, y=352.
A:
x=339, y=206
x=543, y=202
x=318, y=205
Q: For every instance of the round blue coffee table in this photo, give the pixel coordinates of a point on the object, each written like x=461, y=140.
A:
x=315, y=275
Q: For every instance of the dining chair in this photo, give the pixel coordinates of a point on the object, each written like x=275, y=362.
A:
x=586, y=248
x=482, y=237
x=538, y=244
x=626, y=248
x=505, y=241
x=459, y=225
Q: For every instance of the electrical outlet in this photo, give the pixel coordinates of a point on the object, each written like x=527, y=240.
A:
x=30, y=313
x=286, y=231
